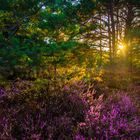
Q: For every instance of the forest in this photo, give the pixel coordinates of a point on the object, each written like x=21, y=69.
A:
x=69, y=69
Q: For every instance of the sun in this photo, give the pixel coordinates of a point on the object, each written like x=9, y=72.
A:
x=121, y=46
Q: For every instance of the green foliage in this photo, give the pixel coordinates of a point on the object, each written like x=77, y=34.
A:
x=38, y=37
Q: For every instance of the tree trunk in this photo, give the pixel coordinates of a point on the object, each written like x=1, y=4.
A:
x=113, y=29
x=109, y=38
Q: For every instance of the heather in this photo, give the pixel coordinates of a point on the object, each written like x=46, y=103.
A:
x=115, y=118
x=74, y=112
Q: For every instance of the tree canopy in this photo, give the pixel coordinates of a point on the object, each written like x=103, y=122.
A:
x=37, y=36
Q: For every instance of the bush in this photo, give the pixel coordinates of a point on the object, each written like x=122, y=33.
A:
x=70, y=113
x=39, y=116
x=115, y=118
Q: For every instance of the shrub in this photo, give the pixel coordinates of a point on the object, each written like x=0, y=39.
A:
x=69, y=113
x=115, y=118
x=39, y=116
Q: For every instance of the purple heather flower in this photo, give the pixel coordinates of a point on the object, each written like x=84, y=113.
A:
x=79, y=137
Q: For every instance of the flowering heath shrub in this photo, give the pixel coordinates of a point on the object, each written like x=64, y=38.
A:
x=39, y=116
x=114, y=118
x=71, y=113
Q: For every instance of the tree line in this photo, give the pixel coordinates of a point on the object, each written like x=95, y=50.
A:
x=37, y=37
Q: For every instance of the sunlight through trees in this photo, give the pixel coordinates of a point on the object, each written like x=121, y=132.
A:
x=69, y=69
